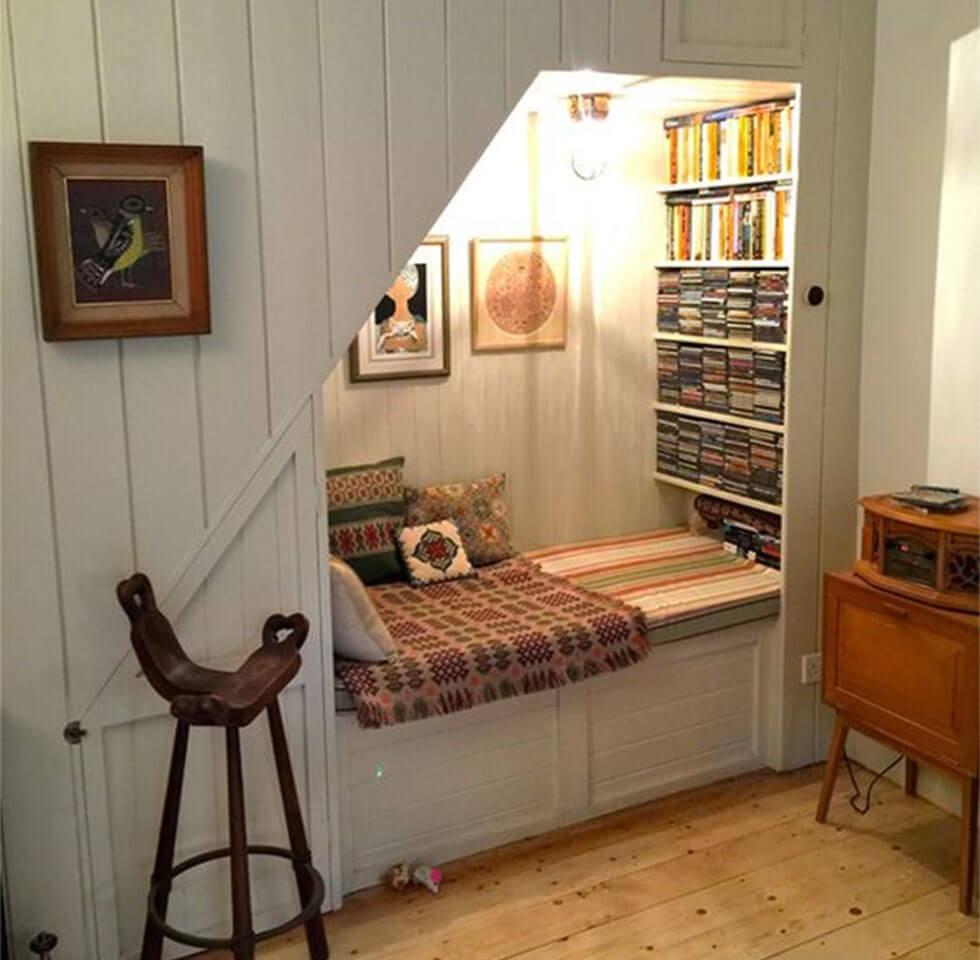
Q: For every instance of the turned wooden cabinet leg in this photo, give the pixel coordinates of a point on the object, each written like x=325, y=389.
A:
x=968, y=844
x=833, y=762
x=911, y=776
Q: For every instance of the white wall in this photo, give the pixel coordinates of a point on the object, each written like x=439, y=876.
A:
x=571, y=427
x=912, y=294
x=906, y=174
x=954, y=425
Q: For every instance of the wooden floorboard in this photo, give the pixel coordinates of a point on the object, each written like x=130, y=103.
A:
x=734, y=871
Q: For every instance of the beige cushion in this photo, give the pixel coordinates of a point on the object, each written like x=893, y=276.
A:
x=433, y=552
x=359, y=633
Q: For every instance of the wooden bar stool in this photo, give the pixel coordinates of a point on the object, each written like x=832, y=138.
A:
x=217, y=698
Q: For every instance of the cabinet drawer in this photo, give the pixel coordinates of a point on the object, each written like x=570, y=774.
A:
x=905, y=669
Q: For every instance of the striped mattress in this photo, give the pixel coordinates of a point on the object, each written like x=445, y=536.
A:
x=671, y=575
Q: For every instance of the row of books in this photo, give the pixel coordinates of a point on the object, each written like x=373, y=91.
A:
x=747, y=383
x=740, y=460
x=741, y=141
x=736, y=304
x=729, y=224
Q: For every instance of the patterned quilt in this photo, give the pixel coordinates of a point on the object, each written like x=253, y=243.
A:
x=512, y=629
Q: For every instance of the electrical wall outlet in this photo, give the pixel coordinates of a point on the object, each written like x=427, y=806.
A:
x=811, y=665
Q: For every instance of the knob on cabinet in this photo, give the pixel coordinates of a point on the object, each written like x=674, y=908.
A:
x=814, y=295
x=43, y=944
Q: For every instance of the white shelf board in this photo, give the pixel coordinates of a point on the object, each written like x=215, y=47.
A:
x=725, y=182
x=720, y=341
x=744, y=264
x=773, y=508
x=699, y=413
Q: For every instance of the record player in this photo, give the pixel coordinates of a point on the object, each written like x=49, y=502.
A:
x=923, y=552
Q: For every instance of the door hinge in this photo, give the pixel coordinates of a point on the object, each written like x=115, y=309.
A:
x=73, y=732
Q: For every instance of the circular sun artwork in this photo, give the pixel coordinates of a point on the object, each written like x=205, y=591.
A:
x=521, y=292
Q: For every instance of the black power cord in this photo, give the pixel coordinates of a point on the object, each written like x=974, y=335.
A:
x=857, y=804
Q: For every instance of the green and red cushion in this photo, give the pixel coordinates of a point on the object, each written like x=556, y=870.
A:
x=366, y=509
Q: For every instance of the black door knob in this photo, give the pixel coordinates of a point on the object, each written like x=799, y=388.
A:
x=43, y=944
x=814, y=295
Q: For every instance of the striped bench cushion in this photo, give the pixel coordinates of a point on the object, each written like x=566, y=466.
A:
x=671, y=575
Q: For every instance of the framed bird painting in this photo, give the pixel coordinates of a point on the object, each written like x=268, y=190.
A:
x=121, y=240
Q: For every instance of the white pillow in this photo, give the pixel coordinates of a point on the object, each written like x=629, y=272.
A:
x=359, y=633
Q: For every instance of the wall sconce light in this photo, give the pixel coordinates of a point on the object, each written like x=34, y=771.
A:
x=590, y=148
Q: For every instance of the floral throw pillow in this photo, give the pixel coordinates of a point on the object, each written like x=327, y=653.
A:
x=433, y=552
x=478, y=509
x=366, y=507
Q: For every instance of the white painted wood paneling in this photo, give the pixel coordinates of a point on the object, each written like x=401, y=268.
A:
x=217, y=88
x=477, y=79
x=426, y=790
x=141, y=104
x=418, y=133
x=758, y=32
x=635, y=38
x=291, y=199
x=533, y=42
x=585, y=33
x=436, y=789
x=41, y=825
x=355, y=108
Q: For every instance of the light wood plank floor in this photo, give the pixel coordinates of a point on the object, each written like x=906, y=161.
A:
x=734, y=871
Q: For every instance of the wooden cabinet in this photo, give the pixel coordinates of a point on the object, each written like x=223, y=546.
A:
x=904, y=673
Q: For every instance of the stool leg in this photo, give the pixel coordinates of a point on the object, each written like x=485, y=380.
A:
x=830, y=773
x=968, y=844
x=166, y=842
x=316, y=938
x=241, y=903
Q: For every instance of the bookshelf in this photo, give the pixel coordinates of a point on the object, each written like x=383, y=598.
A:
x=700, y=413
x=726, y=182
x=723, y=303
x=715, y=492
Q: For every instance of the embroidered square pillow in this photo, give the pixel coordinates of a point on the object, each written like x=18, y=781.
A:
x=434, y=552
x=366, y=507
x=478, y=509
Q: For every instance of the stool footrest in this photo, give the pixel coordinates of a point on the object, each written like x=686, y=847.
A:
x=308, y=910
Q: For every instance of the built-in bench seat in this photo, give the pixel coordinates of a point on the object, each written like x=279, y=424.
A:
x=682, y=583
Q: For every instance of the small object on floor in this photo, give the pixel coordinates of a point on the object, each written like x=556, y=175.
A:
x=399, y=876
x=428, y=877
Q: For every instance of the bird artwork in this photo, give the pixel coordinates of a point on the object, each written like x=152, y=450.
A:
x=122, y=240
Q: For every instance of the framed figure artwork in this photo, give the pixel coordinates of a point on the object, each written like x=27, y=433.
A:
x=121, y=240
x=520, y=293
x=407, y=335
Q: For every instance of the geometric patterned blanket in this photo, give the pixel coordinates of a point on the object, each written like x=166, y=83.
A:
x=511, y=630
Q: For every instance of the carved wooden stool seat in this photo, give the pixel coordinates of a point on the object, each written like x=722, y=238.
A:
x=199, y=696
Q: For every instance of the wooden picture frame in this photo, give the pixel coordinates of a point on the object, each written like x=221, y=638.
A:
x=519, y=289
x=407, y=335
x=121, y=240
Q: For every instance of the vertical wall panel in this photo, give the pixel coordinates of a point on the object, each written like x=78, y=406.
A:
x=533, y=42
x=141, y=105
x=59, y=100
x=216, y=89
x=477, y=79
x=635, y=35
x=352, y=44
x=417, y=120
x=40, y=823
x=585, y=34
x=291, y=197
